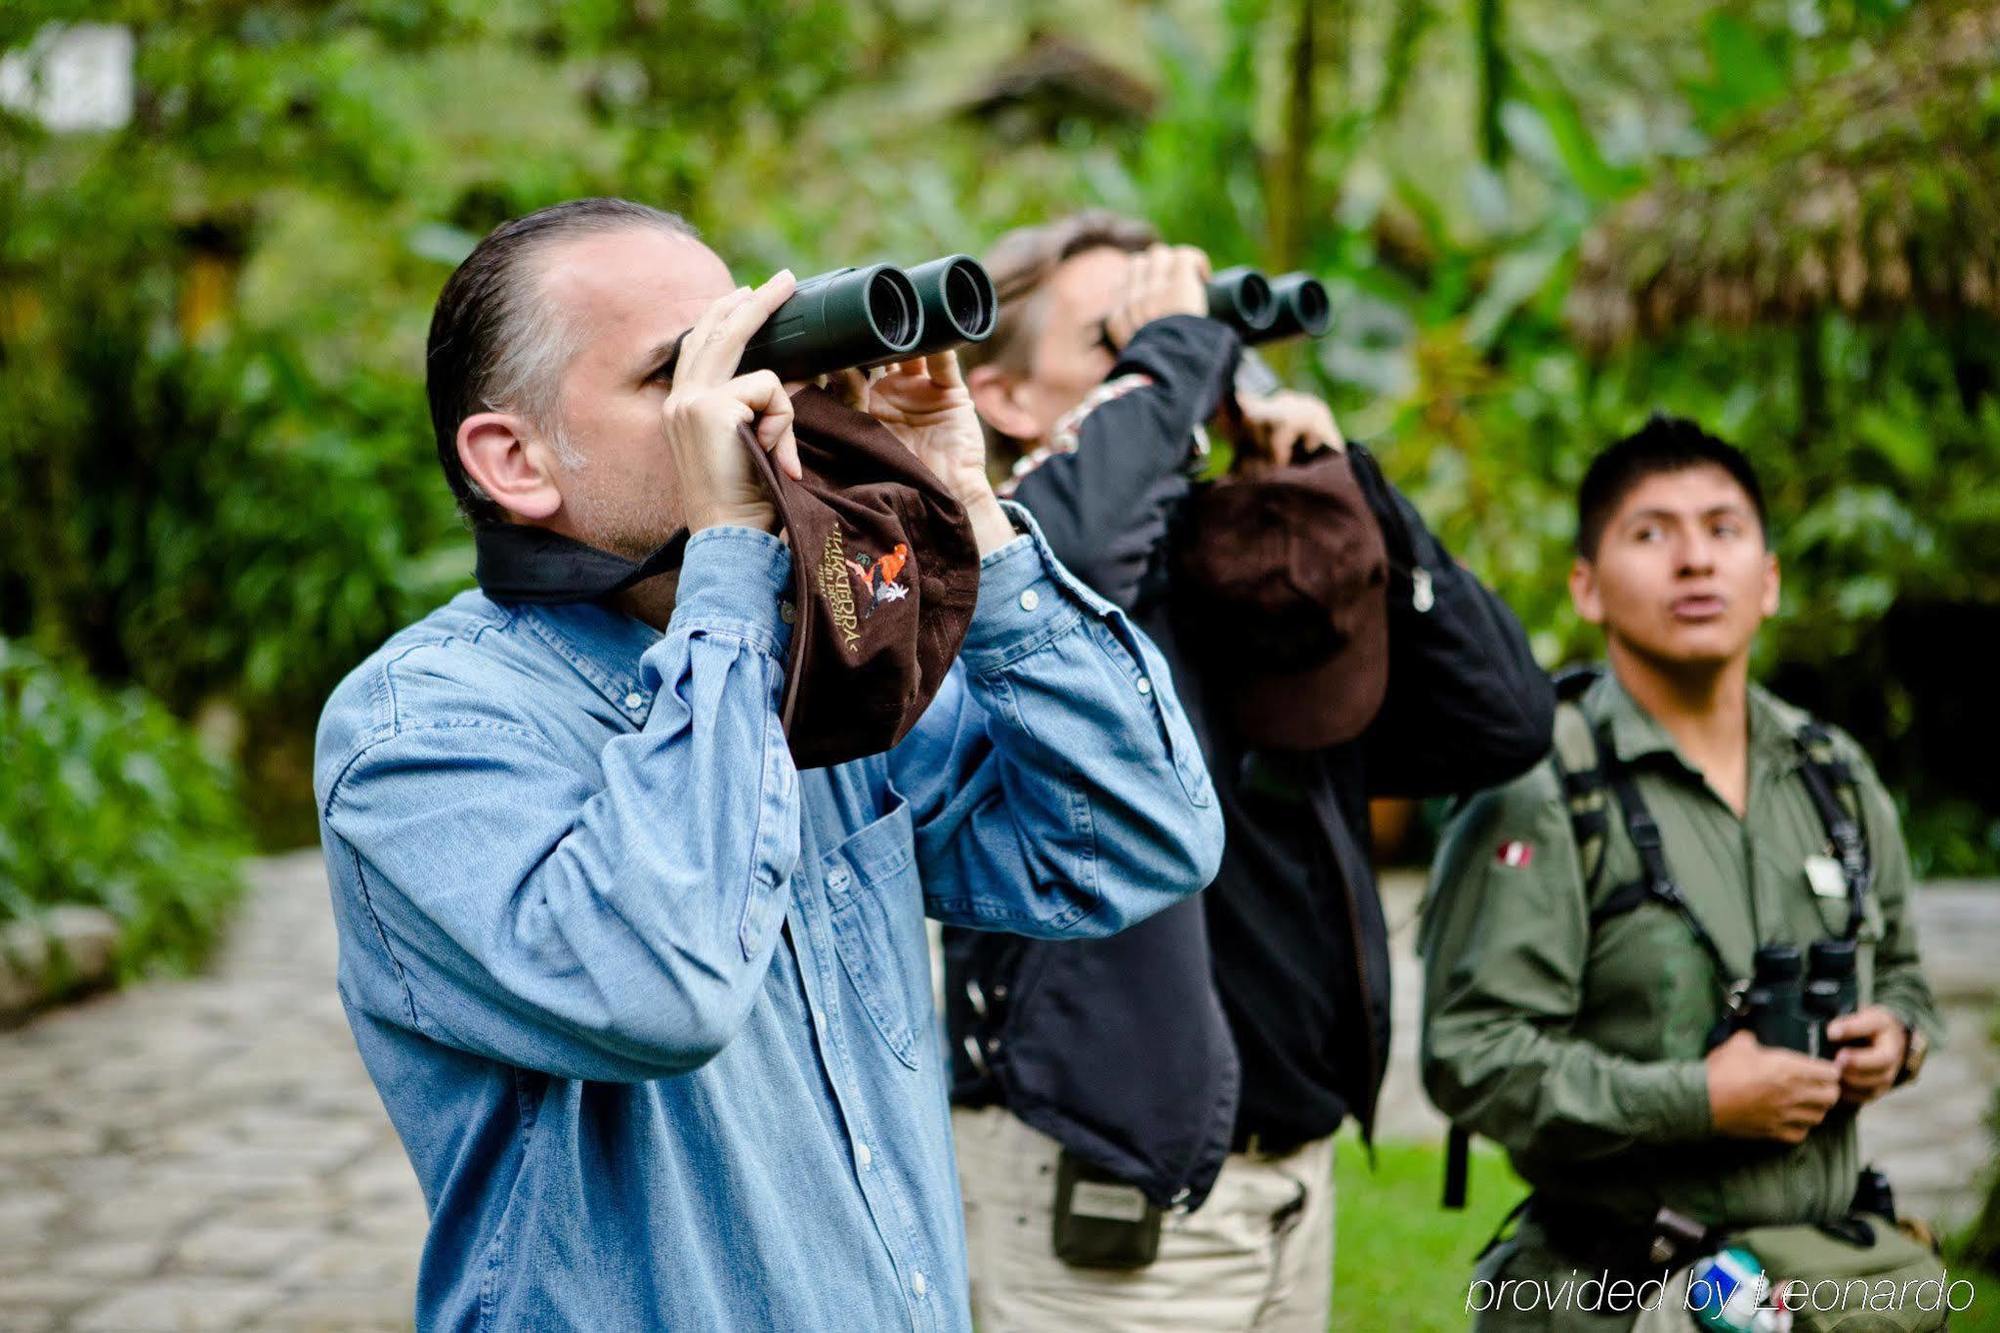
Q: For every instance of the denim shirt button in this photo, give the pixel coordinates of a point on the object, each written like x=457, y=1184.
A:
x=1030, y=599
x=634, y=699
x=836, y=878
x=1145, y=686
x=919, y=1283
x=863, y=1156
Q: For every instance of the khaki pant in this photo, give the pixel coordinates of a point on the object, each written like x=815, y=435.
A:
x=1257, y=1255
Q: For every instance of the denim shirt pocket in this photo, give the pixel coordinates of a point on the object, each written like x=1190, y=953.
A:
x=871, y=882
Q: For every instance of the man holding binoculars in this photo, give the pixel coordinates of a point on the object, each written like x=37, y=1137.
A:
x=1665, y=968
x=631, y=849
x=1145, y=1124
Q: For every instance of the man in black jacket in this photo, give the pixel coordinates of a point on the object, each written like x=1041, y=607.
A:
x=1105, y=1092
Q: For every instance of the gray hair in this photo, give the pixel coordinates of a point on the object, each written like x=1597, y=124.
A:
x=499, y=344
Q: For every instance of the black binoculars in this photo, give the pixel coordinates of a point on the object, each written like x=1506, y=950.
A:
x=1792, y=998
x=1263, y=310
x=855, y=318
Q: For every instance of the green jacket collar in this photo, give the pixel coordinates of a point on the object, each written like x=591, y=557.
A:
x=1636, y=733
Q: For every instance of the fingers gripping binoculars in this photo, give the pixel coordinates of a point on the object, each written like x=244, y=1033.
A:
x=1792, y=998
x=1263, y=310
x=858, y=317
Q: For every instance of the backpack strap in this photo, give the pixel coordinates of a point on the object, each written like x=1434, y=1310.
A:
x=1575, y=758
x=1656, y=881
x=1836, y=796
x=1457, y=1162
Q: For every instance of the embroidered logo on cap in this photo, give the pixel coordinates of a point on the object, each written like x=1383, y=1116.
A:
x=878, y=577
x=854, y=586
x=1515, y=855
x=831, y=578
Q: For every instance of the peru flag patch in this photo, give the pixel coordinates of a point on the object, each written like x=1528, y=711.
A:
x=1515, y=855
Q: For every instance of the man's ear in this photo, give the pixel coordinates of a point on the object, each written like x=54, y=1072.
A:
x=1772, y=584
x=994, y=397
x=505, y=458
x=1583, y=591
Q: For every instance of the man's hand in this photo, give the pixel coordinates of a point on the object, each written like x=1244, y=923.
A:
x=1768, y=1092
x=1161, y=281
x=1275, y=425
x=710, y=402
x=925, y=405
x=1869, y=1067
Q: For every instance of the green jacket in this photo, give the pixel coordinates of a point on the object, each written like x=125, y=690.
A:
x=1580, y=1052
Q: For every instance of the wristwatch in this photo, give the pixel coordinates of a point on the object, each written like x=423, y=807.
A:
x=1916, y=1046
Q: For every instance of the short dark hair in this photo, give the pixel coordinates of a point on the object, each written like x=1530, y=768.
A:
x=1663, y=444
x=494, y=346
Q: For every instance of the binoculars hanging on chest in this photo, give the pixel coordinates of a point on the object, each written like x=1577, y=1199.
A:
x=1792, y=998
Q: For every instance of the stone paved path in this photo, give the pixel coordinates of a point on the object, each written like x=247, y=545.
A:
x=209, y=1155
x=206, y=1154
x=1930, y=1137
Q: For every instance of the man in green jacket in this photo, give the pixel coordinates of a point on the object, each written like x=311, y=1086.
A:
x=1574, y=985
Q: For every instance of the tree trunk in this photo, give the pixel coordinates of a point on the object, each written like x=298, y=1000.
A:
x=1489, y=21
x=1317, y=43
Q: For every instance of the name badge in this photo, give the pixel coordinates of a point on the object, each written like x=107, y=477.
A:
x=1824, y=874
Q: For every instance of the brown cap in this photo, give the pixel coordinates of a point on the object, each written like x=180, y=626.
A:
x=1282, y=582
x=885, y=578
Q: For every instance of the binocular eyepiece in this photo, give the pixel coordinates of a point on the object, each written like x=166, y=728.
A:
x=958, y=301
x=1793, y=997
x=856, y=318
x=1263, y=309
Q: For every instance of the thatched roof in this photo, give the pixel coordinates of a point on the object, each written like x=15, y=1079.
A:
x=1052, y=79
x=1873, y=193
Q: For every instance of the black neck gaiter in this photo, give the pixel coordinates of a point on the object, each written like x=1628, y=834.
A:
x=517, y=563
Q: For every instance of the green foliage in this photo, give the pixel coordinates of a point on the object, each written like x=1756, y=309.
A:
x=212, y=322
x=109, y=802
x=1400, y=1259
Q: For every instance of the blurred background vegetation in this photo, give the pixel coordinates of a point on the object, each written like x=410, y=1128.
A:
x=1540, y=220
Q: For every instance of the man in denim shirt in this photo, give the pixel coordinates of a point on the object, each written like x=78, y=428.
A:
x=649, y=1007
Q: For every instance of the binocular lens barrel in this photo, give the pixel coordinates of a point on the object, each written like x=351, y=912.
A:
x=1241, y=298
x=1263, y=310
x=1778, y=964
x=1831, y=960
x=958, y=300
x=1304, y=309
x=849, y=318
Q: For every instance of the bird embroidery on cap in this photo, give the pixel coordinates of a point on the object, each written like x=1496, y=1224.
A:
x=878, y=576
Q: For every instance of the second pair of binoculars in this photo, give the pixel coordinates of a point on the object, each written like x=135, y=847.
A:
x=860, y=317
x=1263, y=310
x=1793, y=997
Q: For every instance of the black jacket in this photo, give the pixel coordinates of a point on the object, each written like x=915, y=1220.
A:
x=1263, y=1006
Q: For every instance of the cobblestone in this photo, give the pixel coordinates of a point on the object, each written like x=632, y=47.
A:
x=207, y=1154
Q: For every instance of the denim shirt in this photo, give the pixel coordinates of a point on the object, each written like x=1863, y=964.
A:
x=650, y=1008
